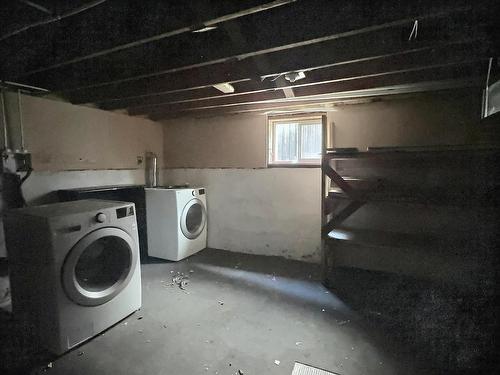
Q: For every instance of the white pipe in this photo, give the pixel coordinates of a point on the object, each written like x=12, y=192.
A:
x=21, y=126
x=486, y=93
x=4, y=121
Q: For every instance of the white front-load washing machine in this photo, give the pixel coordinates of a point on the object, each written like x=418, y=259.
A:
x=176, y=222
x=74, y=268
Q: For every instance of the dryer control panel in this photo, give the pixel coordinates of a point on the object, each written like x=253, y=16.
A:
x=197, y=192
x=124, y=212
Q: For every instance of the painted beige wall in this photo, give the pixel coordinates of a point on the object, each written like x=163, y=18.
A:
x=237, y=141
x=425, y=119
x=62, y=136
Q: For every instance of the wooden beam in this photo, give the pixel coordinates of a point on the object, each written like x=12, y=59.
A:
x=340, y=217
x=467, y=75
x=177, y=54
x=52, y=19
x=364, y=69
x=167, y=34
x=36, y=6
x=430, y=72
x=327, y=54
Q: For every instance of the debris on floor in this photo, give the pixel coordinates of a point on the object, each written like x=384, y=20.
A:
x=342, y=322
x=298, y=343
x=80, y=354
x=276, y=362
x=180, y=280
x=140, y=317
x=221, y=303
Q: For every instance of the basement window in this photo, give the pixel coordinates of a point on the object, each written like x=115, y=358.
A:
x=294, y=141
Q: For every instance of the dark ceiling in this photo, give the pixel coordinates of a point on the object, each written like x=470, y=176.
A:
x=146, y=56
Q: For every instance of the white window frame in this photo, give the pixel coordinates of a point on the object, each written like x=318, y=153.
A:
x=271, y=131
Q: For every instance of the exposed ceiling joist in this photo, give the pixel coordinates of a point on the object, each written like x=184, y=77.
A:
x=454, y=55
x=345, y=50
x=52, y=18
x=151, y=59
x=327, y=102
x=36, y=6
x=313, y=94
x=167, y=34
x=164, y=57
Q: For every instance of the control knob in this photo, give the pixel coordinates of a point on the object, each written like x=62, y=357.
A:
x=100, y=217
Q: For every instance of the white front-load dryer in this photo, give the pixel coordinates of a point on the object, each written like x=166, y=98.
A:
x=176, y=222
x=74, y=269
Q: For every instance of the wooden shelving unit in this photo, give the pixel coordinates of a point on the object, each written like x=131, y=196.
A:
x=440, y=176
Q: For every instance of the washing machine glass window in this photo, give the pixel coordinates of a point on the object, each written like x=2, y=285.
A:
x=193, y=218
x=99, y=266
x=102, y=263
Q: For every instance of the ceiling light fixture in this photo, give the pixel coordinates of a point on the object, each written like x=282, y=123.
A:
x=294, y=76
x=226, y=88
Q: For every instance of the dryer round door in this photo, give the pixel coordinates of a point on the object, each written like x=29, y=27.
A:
x=193, y=218
x=99, y=266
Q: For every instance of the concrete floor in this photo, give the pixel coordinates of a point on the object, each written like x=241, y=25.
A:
x=239, y=312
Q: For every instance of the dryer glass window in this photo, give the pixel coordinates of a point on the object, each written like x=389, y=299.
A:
x=103, y=263
x=194, y=218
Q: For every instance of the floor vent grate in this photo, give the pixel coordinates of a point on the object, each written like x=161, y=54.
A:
x=302, y=369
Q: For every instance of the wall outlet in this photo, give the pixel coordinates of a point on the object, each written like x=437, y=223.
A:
x=140, y=159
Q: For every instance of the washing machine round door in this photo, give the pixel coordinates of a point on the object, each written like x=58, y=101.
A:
x=99, y=266
x=193, y=218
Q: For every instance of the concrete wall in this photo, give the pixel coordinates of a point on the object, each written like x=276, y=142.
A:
x=424, y=119
x=260, y=211
x=61, y=136
x=75, y=146
x=219, y=142
x=251, y=208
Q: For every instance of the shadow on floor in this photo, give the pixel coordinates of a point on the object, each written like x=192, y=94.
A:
x=447, y=330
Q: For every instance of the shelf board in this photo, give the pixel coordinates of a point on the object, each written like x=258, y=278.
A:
x=461, y=197
x=445, y=151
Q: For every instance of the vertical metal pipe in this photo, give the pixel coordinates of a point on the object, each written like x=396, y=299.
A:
x=151, y=169
x=486, y=92
x=4, y=121
x=21, y=126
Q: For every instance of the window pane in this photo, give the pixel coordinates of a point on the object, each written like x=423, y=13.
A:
x=310, y=141
x=286, y=142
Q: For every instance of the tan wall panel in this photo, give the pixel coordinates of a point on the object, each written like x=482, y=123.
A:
x=63, y=136
x=221, y=142
x=239, y=141
x=426, y=119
